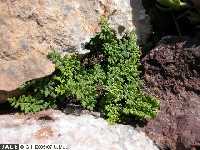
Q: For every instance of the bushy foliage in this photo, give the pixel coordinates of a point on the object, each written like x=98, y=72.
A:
x=106, y=79
x=30, y=103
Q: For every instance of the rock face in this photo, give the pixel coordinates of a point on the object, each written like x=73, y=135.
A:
x=84, y=132
x=172, y=72
x=30, y=29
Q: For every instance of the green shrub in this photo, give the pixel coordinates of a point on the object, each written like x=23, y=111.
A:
x=106, y=79
x=31, y=104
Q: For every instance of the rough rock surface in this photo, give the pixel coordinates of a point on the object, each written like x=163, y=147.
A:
x=84, y=132
x=172, y=72
x=30, y=29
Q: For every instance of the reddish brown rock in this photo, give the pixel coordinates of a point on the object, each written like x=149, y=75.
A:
x=172, y=73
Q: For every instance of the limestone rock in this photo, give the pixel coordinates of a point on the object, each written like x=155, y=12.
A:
x=30, y=29
x=84, y=132
x=14, y=73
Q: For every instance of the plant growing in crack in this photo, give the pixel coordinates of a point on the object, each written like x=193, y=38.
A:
x=106, y=80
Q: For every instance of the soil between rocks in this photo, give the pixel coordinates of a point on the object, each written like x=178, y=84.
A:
x=172, y=73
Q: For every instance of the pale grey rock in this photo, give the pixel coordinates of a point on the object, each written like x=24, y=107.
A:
x=84, y=132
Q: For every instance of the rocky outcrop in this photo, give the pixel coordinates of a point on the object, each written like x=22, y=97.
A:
x=84, y=132
x=172, y=73
x=31, y=29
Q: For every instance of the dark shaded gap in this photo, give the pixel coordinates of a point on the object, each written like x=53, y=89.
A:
x=166, y=23
x=5, y=108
